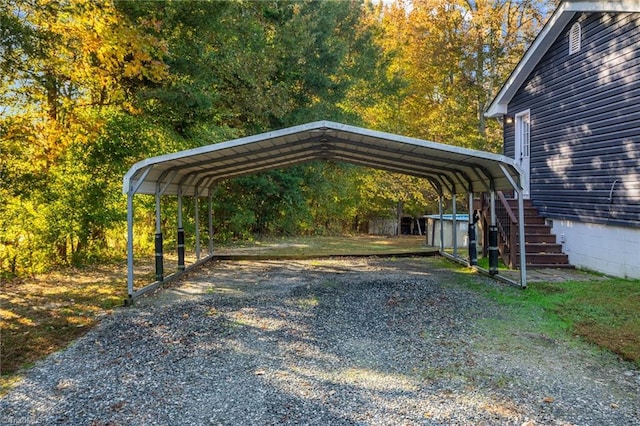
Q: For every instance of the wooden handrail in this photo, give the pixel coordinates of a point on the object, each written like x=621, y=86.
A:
x=509, y=236
x=507, y=231
x=507, y=207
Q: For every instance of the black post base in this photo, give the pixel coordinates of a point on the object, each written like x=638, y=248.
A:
x=493, y=250
x=159, y=257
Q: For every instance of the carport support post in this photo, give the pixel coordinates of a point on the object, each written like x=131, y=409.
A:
x=180, y=232
x=493, y=236
x=454, y=222
x=197, y=208
x=473, y=250
x=521, y=242
x=210, y=221
x=441, y=222
x=130, y=245
x=158, y=240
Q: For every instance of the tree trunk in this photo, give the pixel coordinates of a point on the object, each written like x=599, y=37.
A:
x=51, y=86
x=61, y=248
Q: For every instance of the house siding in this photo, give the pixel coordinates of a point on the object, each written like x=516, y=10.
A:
x=585, y=123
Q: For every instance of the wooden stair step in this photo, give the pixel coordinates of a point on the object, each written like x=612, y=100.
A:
x=536, y=229
x=534, y=220
x=546, y=258
x=552, y=265
x=528, y=211
x=539, y=238
x=536, y=248
x=540, y=244
x=543, y=248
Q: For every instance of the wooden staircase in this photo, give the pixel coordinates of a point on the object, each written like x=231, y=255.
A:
x=540, y=244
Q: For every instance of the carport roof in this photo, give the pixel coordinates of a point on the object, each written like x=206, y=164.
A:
x=202, y=167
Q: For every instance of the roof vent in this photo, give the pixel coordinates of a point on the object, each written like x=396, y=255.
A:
x=575, y=35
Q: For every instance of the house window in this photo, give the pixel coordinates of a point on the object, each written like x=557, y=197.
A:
x=575, y=36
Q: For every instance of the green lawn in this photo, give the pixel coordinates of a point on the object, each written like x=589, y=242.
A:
x=327, y=246
x=603, y=311
x=40, y=315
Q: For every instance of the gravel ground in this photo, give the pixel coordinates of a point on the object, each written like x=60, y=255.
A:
x=327, y=342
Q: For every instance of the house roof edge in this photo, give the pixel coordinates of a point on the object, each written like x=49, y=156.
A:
x=547, y=36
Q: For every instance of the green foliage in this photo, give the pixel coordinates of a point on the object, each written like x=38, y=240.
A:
x=89, y=88
x=266, y=203
x=332, y=198
x=383, y=192
x=447, y=59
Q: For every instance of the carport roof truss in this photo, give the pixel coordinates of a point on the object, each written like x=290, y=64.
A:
x=196, y=170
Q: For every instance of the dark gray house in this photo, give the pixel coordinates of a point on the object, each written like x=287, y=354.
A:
x=571, y=114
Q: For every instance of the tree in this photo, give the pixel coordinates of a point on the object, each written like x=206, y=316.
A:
x=87, y=88
x=63, y=63
x=452, y=56
x=392, y=195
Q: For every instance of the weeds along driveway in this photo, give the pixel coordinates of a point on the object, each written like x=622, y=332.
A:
x=337, y=341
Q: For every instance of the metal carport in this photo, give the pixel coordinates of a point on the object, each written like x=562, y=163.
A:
x=195, y=171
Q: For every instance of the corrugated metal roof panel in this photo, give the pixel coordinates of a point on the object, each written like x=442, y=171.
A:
x=322, y=140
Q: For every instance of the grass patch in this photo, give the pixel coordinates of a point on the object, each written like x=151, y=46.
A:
x=307, y=303
x=605, y=312
x=41, y=315
x=483, y=262
x=365, y=245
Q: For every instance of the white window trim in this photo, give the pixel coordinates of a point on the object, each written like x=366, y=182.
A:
x=575, y=38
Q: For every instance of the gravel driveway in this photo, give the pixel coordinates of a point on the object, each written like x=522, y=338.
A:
x=326, y=342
